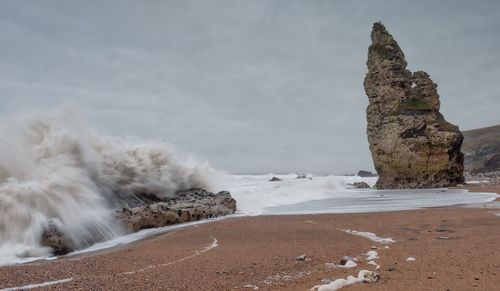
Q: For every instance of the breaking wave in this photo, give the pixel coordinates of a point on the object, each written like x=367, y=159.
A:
x=55, y=173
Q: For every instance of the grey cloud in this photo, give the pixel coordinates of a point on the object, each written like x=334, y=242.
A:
x=251, y=86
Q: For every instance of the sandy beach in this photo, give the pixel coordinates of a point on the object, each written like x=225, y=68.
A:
x=249, y=145
x=454, y=249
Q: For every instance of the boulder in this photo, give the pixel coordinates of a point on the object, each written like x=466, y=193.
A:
x=411, y=143
x=360, y=185
x=274, y=179
x=54, y=238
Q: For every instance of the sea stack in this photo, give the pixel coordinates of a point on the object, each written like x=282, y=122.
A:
x=412, y=145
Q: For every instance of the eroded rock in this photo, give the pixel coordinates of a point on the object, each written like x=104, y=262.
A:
x=412, y=145
x=360, y=185
x=190, y=205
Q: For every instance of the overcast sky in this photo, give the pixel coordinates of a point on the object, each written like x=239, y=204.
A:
x=251, y=86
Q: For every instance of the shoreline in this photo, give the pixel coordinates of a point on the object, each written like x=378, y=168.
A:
x=261, y=251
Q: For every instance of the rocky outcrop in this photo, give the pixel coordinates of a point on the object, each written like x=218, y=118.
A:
x=191, y=205
x=412, y=145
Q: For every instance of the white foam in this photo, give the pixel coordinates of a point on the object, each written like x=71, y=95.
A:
x=125, y=239
x=371, y=236
x=328, y=194
x=377, y=266
x=371, y=255
x=349, y=264
x=40, y=285
x=55, y=172
x=339, y=283
x=478, y=181
x=213, y=245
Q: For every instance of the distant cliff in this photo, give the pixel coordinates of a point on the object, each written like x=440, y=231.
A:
x=482, y=149
x=412, y=145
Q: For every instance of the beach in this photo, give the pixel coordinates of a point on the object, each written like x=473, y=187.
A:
x=454, y=248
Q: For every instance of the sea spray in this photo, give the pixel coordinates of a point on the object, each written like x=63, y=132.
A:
x=54, y=173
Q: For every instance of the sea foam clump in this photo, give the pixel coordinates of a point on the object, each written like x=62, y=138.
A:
x=63, y=176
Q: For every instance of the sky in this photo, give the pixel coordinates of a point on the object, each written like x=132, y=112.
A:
x=250, y=86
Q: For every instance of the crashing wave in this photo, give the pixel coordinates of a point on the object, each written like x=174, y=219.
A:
x=55, y=174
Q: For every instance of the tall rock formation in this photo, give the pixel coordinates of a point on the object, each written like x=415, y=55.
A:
x=412, y=145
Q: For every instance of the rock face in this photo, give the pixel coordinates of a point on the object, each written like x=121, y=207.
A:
x=190, y=205
x=412, y=145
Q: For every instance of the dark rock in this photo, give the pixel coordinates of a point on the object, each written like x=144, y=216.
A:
x=365, y=174
x=344, y=260
x=360, y=185
x=275, y=179
x=412, y=145
x=371, y=277
x=54, y=238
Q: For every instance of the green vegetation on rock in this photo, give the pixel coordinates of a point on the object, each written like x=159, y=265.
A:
x=415, y=104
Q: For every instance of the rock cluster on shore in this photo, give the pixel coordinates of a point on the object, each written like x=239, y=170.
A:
x=412, y=145
x=189, y=205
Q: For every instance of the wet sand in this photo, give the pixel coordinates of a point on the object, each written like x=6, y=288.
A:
x=455, y=249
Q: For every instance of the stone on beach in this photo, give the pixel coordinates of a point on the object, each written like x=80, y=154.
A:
x=360, y=185
x=191, y=205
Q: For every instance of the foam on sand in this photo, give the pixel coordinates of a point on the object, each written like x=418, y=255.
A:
x=39, y=285
x=371, y=236
x=349, y=264
x=371, y=255
x=213, y=245
x=363, y=276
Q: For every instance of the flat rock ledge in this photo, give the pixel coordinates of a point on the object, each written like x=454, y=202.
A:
x=190, y=205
